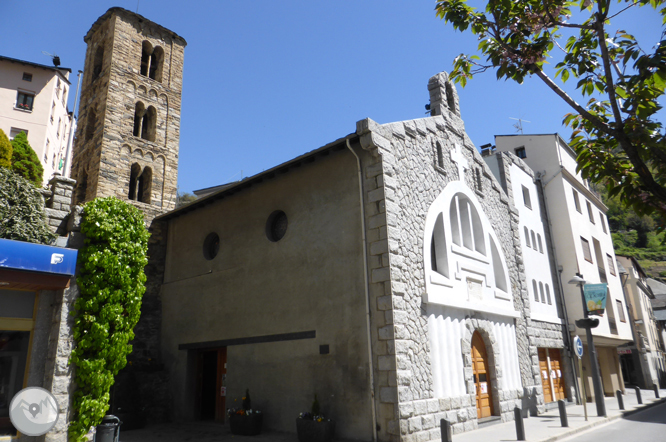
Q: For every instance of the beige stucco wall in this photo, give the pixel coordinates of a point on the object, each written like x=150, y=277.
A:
x=312, y=279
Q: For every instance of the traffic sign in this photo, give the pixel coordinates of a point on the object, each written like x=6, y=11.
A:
x=578, y=346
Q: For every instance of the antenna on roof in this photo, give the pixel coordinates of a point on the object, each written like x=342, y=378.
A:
x=54, y=57
x=519, y=124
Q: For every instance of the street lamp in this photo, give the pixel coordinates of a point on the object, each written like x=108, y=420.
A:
x=588, y=324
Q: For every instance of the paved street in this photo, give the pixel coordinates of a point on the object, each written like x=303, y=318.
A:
x=618, y=426
x=643, y=426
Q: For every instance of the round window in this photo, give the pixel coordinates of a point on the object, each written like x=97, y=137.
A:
x=211, y=246
x=276, y=226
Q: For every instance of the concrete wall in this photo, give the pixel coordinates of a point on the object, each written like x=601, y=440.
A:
x=48, y=119
x=312, y=279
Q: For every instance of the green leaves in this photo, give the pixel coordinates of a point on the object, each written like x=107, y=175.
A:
x=111, y=283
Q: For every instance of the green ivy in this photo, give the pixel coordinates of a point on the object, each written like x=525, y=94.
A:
x=111, y=281
x=22, y=210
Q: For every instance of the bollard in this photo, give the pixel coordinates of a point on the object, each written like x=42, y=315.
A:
x=520, y=426
x=445, y=427
x=620, y=400
x=638, y=395
x=655, y=387
x=563, y=413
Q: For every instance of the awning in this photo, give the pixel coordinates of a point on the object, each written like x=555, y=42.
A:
x=30, y=266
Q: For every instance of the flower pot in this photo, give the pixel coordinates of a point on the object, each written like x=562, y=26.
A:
x=246, y=424
x=313, y=431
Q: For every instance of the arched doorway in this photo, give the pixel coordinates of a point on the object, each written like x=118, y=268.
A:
x=481, y=367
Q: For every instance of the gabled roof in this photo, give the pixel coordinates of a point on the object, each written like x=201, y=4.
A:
x=37, y=65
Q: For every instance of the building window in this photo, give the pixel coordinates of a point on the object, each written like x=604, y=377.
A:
x=534, y=243
x=611, y=267
x=276, y=226
x=620, y=310
x=543, y=297
x=64, y=96
x=58, y=130
x=140, y=184
x=526, y=197
x=439, y=261
x=15, y=131
x=24, y=100
x=440, y=155
x=520, y=152
x=52, y=111
x=576, y=201
x=211, y=246
x=152, y=60
x=58, y=87
x=539, y=241
x=535, y=290
x=586, y=249
x=144, y=121
x=589, y=211
x=603, y=222
x=98, y=61
x=548, y=295
x=527, y=237
x=466, y=229
x=90, y=124
x=479, y=181
x=27, y=76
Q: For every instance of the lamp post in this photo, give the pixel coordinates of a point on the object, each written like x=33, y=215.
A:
x=588, y=324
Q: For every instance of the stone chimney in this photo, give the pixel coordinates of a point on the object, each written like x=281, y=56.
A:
x=443, y=95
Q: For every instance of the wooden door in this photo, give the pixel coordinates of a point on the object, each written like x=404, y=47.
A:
x=484, y=398
x=556, y=369
x=544, y=373
x=210, y=397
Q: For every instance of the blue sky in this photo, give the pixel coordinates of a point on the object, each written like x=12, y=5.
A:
x=266, y=81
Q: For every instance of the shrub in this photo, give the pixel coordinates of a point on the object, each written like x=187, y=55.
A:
x=25, y=161
x=6, y=150
x=22, y=210
x=111, y=285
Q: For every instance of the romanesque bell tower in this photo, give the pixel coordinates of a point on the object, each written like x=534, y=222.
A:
x=129, y=117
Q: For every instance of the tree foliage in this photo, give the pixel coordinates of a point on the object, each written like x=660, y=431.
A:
x=22, y=210
x=25, y=161
x=5, y=151
x=111, y=283
x=616, y=136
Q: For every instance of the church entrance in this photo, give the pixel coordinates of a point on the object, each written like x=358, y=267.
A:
x=484, y=397
x=211, y=381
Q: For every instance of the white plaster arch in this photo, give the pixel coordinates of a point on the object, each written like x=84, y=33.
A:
x=478, y=277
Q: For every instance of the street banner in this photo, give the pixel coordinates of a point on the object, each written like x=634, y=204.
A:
x=595, y=298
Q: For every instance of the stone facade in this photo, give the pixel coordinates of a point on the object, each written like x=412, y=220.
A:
x=128, y=119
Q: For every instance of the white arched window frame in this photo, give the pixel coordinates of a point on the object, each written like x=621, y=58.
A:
x=460, y=248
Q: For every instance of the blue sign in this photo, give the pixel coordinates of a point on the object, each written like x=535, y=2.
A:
x=19, y=255
x=578, y=346
x=595, y=298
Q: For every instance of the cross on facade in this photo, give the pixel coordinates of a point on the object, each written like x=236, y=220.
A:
x=460, y=160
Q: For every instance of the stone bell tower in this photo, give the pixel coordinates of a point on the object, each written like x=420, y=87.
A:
x=129, y=117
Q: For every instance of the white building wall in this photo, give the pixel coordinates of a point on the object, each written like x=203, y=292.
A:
x=48, y=121
x=537, y=263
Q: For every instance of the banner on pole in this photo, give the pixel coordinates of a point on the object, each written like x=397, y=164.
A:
x=595, y=298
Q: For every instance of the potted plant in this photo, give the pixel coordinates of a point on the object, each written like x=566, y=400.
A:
x=245, y=421
x=313, y=426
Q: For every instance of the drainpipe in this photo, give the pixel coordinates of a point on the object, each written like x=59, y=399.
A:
x=562, y=302
x=68, y=151
x=367, y=292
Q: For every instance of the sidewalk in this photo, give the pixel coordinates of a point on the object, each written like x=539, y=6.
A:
x=543, y=428
x=547, y=428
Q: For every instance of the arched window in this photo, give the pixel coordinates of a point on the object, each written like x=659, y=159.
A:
x=438, y=254
x=498, y=269
x=539, y=241
x=152, y=60
x=543, y=297
x=90, y=124
x=466, y=227
x=527, y=237
x=97, y=63
x=140, y=184
x=440, y=155
x=534, y=244
x=145, y=121
x=535, y=290
x=548, y=294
